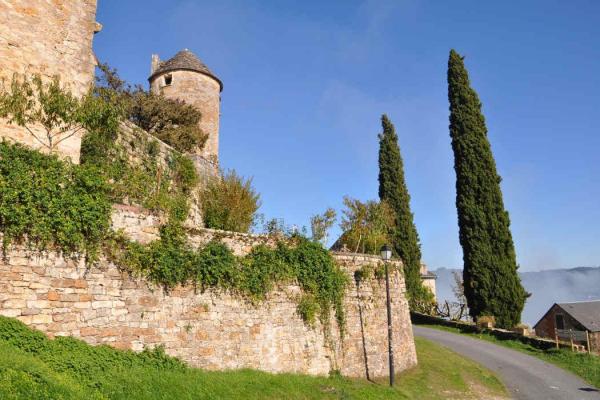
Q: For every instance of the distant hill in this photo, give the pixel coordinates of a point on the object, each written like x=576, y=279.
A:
x=546, y=288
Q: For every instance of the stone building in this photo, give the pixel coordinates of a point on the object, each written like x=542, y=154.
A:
x=185, y=77
x=48, y=38
x=428, y=278
x=579, y=321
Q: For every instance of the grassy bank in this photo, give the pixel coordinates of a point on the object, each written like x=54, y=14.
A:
x=34, y=367
x=584, y=365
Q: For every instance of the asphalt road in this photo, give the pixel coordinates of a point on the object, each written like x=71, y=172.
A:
x=525, y=377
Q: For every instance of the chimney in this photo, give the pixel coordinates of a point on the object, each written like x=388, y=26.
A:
x=155, y=63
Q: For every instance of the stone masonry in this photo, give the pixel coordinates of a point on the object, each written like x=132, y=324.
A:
x=211, y=329
x=104, y=305
x=47, y=38
x=185, y=77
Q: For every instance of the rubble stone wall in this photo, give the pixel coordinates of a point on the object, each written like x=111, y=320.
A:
x=211, y=329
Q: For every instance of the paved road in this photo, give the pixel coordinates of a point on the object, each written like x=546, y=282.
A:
x=526, y=377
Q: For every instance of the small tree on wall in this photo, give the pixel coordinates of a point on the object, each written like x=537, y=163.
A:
x=50, y=113
x=229, y=202
x=365, y=225
x=491, y=283
x=320, y=225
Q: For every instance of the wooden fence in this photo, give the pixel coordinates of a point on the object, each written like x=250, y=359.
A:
x=572, y=336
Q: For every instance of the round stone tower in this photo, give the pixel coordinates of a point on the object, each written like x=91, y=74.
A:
x=185, y=77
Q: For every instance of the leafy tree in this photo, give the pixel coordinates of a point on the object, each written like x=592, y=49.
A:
x=491, y=283
x=365, y=225
x=51, y=114
x=320, y=225
x=403, y=235
x=229, y=203
x=170, y=120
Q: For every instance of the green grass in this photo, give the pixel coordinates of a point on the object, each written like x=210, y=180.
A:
x=34, y=367
x=582, y=364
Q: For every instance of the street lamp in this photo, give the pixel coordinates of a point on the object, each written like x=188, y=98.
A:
x=386, y=255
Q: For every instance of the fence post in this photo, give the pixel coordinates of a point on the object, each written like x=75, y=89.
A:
x=571, y=337
x=587, y=339
x=556, y=338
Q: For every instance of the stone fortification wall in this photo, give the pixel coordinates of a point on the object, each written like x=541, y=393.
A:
x=141, y=225
x=48, y=38
x=210, y=329
x=135, y=142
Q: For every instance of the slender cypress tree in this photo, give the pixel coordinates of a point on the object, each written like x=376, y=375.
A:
x=404, y=237
x=491, y=283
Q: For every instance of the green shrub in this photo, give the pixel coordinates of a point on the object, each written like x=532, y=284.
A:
x=172, y=121
x=308, y=308
x=147, y=182
x=216, y=266
x=364, y=273
x=230, y=203
x=51, y=202
x=261, y=269
x=183, y=172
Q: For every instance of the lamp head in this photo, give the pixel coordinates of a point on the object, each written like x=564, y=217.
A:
x=386, y=252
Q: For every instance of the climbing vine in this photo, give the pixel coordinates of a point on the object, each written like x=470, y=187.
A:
x=170, y=261
x=52, y=203
x=145, y=181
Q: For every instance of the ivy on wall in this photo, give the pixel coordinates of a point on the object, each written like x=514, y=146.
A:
x=170, y=261
x=145, y=182
x=51, y=202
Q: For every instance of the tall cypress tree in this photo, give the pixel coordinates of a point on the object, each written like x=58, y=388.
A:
x=491, y=283
x=404, y=237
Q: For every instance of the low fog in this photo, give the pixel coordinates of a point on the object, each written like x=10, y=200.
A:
x=546, y=288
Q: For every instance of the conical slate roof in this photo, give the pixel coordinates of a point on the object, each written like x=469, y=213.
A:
x=184, y=60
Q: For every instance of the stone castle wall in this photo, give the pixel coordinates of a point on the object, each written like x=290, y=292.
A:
x=47, y=38
x=134, y=141
x=141, y=225
x=211, y=329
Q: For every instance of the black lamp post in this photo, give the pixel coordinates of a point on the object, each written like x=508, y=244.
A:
x=386, y=255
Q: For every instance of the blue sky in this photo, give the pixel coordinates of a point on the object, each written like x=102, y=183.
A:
x=305, y=84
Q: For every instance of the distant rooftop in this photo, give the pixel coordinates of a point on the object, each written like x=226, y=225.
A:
x=187, y=61
x=586, y=312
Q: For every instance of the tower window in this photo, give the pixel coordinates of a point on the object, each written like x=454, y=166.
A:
x=168, y=79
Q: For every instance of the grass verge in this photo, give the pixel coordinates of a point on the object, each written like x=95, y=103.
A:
x=581, y=364
x=35, y=367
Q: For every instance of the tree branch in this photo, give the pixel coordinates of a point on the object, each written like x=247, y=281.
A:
x=35, y=136
x=68, y=136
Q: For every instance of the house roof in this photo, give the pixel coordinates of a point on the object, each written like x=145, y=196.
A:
x=587, y=313
x=184, y=60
